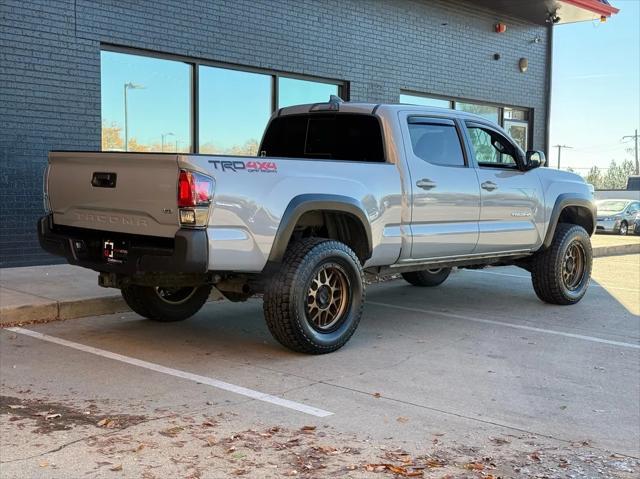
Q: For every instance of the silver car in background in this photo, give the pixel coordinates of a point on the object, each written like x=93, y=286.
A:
x=616, y=216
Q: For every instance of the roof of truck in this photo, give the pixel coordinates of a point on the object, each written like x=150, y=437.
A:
x=372, y=108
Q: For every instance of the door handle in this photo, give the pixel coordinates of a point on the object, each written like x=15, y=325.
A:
x=425, y=184
x=489, y=186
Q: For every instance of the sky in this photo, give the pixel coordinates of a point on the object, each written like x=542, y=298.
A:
x=596, y=89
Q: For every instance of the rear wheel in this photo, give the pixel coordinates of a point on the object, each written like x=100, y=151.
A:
x=561, y=273
x=314, y=303
x=166, y=304
x=427, y=277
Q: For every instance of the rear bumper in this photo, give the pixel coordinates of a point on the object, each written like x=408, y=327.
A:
x=187, y=252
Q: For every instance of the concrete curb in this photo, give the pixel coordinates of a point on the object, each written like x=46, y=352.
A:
x=617, y=250
x=80, y=308
x=57, y=310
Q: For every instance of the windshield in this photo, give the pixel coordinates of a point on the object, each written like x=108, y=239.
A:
x=611, y=206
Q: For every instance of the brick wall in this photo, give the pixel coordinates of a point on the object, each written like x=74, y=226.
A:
x=50, y=67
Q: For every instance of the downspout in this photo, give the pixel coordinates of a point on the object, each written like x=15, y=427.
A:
x=547, y=129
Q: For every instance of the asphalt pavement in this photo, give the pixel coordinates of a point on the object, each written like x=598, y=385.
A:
x=475, y=378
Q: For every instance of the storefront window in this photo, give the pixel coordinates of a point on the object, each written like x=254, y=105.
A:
x=234, y=108
x=424, y=101
x=146, y=103
x=292, y=91
x=489, y=112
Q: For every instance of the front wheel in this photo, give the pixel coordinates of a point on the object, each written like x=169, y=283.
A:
x=166, y=304
x=624, y=228
x=314, y=303
x=561, y=273
x=427, y=277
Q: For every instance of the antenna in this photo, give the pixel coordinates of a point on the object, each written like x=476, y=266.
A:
x=335, y=99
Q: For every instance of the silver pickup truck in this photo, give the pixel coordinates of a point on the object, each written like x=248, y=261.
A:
x=337, y=190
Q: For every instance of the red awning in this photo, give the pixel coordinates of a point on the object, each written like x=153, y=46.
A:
x=570, y=11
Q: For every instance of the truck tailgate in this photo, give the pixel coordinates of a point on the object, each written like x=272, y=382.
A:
x=121, y=192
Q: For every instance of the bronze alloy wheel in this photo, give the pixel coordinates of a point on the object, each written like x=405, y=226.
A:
x=573, y=267
x=175, y=295
x=327, y=297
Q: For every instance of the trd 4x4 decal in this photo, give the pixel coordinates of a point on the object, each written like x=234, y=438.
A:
x=249, y=166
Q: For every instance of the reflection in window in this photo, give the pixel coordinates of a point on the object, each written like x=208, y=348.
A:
x=145, y=103
x=234, y=108
x=292, y=91
x=490, y=148
x=489, y=112
x=424, y=101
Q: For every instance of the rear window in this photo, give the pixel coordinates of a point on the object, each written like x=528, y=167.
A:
x=332, y=136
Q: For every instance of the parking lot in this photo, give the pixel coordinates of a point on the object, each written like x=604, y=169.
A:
x=476, y=378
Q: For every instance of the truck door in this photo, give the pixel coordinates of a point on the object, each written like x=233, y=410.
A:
x=445, y=196
x=512, y=211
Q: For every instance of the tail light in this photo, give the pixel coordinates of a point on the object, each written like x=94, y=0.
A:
x=195, y=192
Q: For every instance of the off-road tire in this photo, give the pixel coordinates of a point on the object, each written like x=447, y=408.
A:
x=287, y=295
x=547, y=267
x=427, y=278
x=624, y=229
x=146, y=301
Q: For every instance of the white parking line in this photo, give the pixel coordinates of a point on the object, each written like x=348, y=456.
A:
x=595, y=285
x=509, y=325
x=257, y=395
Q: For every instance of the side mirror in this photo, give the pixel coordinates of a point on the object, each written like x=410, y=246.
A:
x=534, y=159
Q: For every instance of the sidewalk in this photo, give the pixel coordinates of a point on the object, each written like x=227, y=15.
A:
x=48, y=293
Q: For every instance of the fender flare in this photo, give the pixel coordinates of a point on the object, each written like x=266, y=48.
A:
x=562, y=201
x=302, y=204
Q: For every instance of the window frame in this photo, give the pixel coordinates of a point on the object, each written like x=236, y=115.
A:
x=519, y=161
x=194, y=66
x=430, y=120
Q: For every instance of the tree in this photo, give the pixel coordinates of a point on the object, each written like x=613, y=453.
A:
x=111, y=139
x=617, y=175
x=594, y=177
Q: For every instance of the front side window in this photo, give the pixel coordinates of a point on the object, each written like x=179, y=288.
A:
x=436, y=142
x=292, y=91
x=234, y=108
x=491, y=148
x=146, y=103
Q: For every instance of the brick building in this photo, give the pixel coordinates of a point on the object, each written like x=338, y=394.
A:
x=204, y=75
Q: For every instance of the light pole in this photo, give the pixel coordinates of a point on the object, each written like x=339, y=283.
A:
x=128, y=86
x=163, y=136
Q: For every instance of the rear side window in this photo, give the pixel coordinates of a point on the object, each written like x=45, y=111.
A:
x=334, y=136
x=436, y=141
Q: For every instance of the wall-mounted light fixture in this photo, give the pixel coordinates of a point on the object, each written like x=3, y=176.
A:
x=500, y=27
x=496, y=56
x=523, y=64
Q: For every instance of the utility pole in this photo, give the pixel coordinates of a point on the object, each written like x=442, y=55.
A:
x=560, y=147
x=635, y=137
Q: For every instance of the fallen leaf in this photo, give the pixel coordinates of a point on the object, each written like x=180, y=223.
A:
x=172, y=431
x=474, y=466
x=534, y=456
x=116, y=468
x=239, y=472
x=16, y=406
x=53, y=416
x=308, y=428
x=402, y=419
x=376, y=395
x=44, y=464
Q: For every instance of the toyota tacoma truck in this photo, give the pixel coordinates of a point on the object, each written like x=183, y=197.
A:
x=337, y=190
